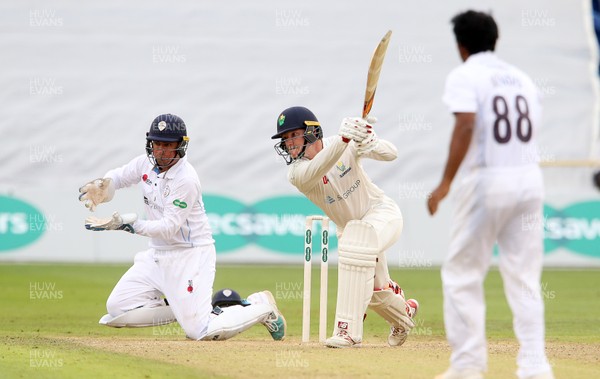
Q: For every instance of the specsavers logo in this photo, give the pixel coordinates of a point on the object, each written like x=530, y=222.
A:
x=275, y=223
x=20, y=223
x=576, y=228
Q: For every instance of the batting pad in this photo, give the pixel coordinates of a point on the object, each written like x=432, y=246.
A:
x=235, y=319
x=358, y=250
x=392, y=307
x=140, y=317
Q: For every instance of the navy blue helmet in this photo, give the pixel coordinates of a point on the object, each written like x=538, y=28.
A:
x=167, y=128
x=297, y=118
x=226, y=297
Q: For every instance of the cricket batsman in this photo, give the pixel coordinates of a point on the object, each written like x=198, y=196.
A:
x=329, y=172
x=179, y=264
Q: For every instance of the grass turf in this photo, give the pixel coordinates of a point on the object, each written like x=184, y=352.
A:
x=50, y=313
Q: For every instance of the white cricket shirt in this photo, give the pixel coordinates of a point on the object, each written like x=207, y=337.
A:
x=507, y=107
x=175, y=212
x=335, y=181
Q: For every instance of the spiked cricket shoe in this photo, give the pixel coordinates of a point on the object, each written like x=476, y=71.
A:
x=275, y=323
x=398, y=334
x=341, y=340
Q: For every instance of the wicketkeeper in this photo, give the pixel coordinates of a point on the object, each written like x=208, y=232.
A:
x=180, y=261
x=329, y=172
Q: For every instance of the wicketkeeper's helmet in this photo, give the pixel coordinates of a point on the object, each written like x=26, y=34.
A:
x=297, y=118
x=167, y=128
x=226, y=297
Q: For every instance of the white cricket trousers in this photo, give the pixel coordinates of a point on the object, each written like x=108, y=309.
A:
x=503, y=206
x=184, y=276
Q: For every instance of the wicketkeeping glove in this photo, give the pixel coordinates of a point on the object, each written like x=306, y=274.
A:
x=97, y=191
x=354, y=128
x=116, y=222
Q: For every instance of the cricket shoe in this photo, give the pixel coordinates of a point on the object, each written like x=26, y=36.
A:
x=398, y=334
x=341, y=340
x=275, y=322
x=452, y=373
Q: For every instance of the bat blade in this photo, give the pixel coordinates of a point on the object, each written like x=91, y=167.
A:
x=374, y=71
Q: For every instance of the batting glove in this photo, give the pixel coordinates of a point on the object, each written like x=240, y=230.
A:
x=97, y=191
x=116, y=222
x=370, y=142
x=354, y=128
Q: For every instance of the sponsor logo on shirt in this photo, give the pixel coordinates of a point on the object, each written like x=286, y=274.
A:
x=153, y=205
x=329, y=199
x=342, y=168
x=352, y=188
x=146, y=180
x=179, y=203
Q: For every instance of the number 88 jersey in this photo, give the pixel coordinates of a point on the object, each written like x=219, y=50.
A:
x=507, y=107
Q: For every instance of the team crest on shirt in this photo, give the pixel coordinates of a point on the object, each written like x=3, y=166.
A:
x=342, y=168
x=167, y=191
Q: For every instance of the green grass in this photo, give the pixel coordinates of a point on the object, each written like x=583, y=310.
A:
x=50, y=313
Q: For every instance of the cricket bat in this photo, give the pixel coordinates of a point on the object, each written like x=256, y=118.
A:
x=374, y=70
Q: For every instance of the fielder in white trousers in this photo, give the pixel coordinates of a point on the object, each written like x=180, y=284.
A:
x=480, y=207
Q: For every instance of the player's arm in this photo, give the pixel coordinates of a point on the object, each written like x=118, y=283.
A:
x=177, y=209
x=464, y=126
x=381, y=151
x=374, y=148
x=102, y=190
x=305, y=174
x=129, y=174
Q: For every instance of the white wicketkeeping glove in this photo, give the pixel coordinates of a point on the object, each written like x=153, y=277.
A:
x=97, y=191
x=354, y=128
x=116, y=222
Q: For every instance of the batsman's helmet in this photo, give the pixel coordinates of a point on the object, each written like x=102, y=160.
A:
x=226, y=297
x=297, y=118
x=167, y=128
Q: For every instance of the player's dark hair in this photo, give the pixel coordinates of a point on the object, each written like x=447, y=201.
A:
x=475, y=31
